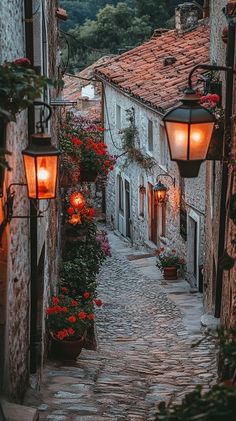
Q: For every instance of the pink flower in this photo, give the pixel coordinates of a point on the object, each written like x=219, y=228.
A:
x=23, y=61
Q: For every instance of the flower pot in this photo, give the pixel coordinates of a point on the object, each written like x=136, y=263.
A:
x=170, y=273
x=87, y=175
x=66, y=350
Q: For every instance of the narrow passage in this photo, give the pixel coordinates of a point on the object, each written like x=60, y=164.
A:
x=144, y=351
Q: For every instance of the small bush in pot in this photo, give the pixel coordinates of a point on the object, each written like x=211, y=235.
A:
x=169, y=258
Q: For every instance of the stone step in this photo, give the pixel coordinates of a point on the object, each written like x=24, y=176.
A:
x=15, y=412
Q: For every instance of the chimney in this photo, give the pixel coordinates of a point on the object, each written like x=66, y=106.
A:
x=186, y=17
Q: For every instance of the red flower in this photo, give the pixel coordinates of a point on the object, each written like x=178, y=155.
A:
x=70, y=331
x=173, y=250
x=76, y=141
x=72, y=319
x=162, y=249
x=91, y=316
x=82, y=315
x=23, y=61
x=91, y=212
x=74, y=303
x=98, y=302
x=55, y=300
x=86, y=295
x=70, y=211
x=64, y=289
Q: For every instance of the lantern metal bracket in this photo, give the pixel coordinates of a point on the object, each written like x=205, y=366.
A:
x=40, y=124
x=208, y=67
x=8, y=208
x=166, y=175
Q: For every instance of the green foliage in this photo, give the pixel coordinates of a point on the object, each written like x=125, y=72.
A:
x=227, y=354
x=129, y=137
x=116, y=27
x=82, y=263
x=20, y=85
x=219, y=404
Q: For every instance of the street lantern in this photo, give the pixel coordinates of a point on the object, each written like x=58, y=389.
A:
x=189, y=129
x=159, y=190
x=77, y=200
x=41, y=167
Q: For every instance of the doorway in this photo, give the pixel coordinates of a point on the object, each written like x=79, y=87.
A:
x=152, y=215
x=124, y=207
x=193, y=247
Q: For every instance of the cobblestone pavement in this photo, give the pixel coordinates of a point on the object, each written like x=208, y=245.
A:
x=144, y=356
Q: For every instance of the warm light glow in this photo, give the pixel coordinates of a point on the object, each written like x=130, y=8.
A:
x=77, y=200
x=196, y=136
x=200, y=136
x=178, y=139
x=43, y=174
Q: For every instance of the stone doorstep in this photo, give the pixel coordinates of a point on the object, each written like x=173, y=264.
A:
x=15, y=412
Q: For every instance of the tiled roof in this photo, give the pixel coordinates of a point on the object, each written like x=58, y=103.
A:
x=144, y=73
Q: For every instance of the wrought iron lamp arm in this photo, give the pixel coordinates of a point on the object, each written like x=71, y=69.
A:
x=166, y=175
x=208, y=67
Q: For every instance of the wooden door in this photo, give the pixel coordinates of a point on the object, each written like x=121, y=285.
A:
x=152, y=215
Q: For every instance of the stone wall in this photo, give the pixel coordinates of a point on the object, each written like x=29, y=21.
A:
x=213, y=170
x=15, y=280
x=194, y=197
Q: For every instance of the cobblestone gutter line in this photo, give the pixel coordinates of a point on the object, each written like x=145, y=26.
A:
x=144, y=354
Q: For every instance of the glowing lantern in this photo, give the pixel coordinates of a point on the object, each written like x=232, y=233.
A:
x=160, y=193
x=41, y=167
x=77, y=200
x=189, y=128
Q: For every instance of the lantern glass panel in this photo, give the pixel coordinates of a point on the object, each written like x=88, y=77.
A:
x=47, y=176
x=178, y=139
x=41, y=175
x=200, y=136
x=29, y=162
x=161, y=196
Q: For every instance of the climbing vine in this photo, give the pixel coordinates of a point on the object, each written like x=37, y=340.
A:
x=129, y=137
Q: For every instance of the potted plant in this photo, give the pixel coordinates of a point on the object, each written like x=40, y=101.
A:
x=67, y=321
x=83, y=140
x=168, y=261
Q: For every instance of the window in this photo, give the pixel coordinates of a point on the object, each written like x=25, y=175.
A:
x=150, y=135
x=163, y=147
x=142, y=192
x=118, y=117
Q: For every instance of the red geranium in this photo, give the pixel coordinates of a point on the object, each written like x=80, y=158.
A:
x=98, y=302
x=86, y=295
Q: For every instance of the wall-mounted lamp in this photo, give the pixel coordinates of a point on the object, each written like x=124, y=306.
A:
x=189, y=128
x=41, y=162
x=41, y=168
x=160, y=189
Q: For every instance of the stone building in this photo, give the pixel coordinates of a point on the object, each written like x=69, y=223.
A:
x=219, y=268
x=29, y=246
x=147, y=81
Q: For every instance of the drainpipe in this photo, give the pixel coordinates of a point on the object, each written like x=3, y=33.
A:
x=224, y=182
x=29, y=41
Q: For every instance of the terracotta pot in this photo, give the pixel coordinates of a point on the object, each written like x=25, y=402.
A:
x=87, y=175
x=66, y=350
x=170, y=273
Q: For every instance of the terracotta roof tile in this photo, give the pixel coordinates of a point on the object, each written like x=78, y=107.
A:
x=142, y=71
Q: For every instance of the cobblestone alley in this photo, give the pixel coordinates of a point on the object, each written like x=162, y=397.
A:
x=145, y=330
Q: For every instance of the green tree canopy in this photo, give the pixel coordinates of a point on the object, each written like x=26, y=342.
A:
x=116, y=27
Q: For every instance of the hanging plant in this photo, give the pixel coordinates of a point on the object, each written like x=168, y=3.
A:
x=20, y=85
x=129, y=137
x=81, y=141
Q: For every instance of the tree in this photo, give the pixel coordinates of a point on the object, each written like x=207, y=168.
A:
x=116, y=27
